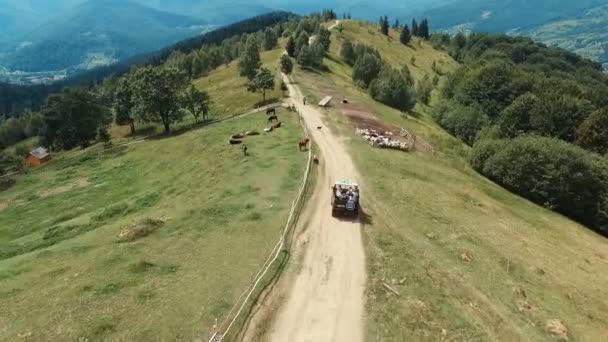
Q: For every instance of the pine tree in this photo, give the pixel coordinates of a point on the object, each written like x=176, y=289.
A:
x=347, y=52
x=270, y=39
x=396, y=24
x=406, y=36
x=323, y=37
x=384, y=25
x=423, y=29
x=291, y=47
x=302, y=41
x=414, y=28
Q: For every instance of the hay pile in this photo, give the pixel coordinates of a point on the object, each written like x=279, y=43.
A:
x=140, y=230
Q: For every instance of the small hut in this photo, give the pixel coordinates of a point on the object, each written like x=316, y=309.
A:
x=38, y=156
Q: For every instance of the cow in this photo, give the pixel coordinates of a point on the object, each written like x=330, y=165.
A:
x=304, y=144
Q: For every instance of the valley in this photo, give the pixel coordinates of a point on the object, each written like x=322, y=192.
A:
x=176, y=207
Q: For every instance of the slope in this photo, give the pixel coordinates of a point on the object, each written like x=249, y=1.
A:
x=99, y=33
x=502, y=16
x=584, y=34
x=469, y=260
x=67, y=273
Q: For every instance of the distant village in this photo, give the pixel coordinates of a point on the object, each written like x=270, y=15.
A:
x=32, y=78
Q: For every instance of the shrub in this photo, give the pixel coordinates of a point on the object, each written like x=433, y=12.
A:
x=549, y=172
x=347, y=52
x=461, y=121
x=424, y=90
x=392, y=89
x=366, y=69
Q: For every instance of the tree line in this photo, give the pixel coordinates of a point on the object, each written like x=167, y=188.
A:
x=17, y=99
x=149, y=93
x=420, y=30
x=386, y=84
x=537, y=118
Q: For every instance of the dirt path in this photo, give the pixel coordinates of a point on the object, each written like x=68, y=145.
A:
x=326, y=300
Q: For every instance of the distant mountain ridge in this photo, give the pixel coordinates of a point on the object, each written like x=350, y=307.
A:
x=502, y=16
x=586, y=34
x=99, y=33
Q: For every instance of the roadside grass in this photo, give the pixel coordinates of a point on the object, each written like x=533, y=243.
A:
x=204, y=219
x=470, y=260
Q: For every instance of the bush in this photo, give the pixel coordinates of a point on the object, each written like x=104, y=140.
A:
x=366, y=69
x=461, y=121
x=392, y=88
x=347, y=52
x=549, y=172
x=424, y=90
x=593, y=132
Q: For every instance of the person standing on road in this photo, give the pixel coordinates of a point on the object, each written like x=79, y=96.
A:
x=245, y=150
x=304, y=100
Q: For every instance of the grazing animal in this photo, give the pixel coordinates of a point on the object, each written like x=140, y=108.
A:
x=245, y=150
x=268, y=130
x=315, y=160
x=272, y=111
x=235, y=141
x=272, y=118
x=277, y=125
x=304, y=144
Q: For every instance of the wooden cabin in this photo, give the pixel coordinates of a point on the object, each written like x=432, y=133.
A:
x=38, y=157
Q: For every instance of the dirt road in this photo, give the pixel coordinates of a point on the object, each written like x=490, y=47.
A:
x=325, y=302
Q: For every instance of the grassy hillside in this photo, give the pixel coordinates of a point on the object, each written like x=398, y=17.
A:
x=153, y=241
x=470, y=260
x=227, y=89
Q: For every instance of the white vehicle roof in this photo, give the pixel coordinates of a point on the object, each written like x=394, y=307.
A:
x=347, y=183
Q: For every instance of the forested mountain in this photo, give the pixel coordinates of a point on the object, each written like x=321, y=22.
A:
x=502, y=16
x=578, y=26
x=99, y=33
x=586, y=34
x=15, y=99
x=537, y=120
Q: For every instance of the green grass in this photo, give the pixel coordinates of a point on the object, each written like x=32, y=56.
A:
x=430, y=212
x=228, y=91
x=207, y=219
x=228, y=95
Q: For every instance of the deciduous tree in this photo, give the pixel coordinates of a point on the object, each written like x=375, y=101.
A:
x=249, y=62
x=262, y=82
x=73, y=118
x=124, y=103
x=196, y=102
x=286, y=64
x=156, y=93
x=366, y=69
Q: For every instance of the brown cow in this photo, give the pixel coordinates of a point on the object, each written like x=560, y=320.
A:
x=304, y=144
